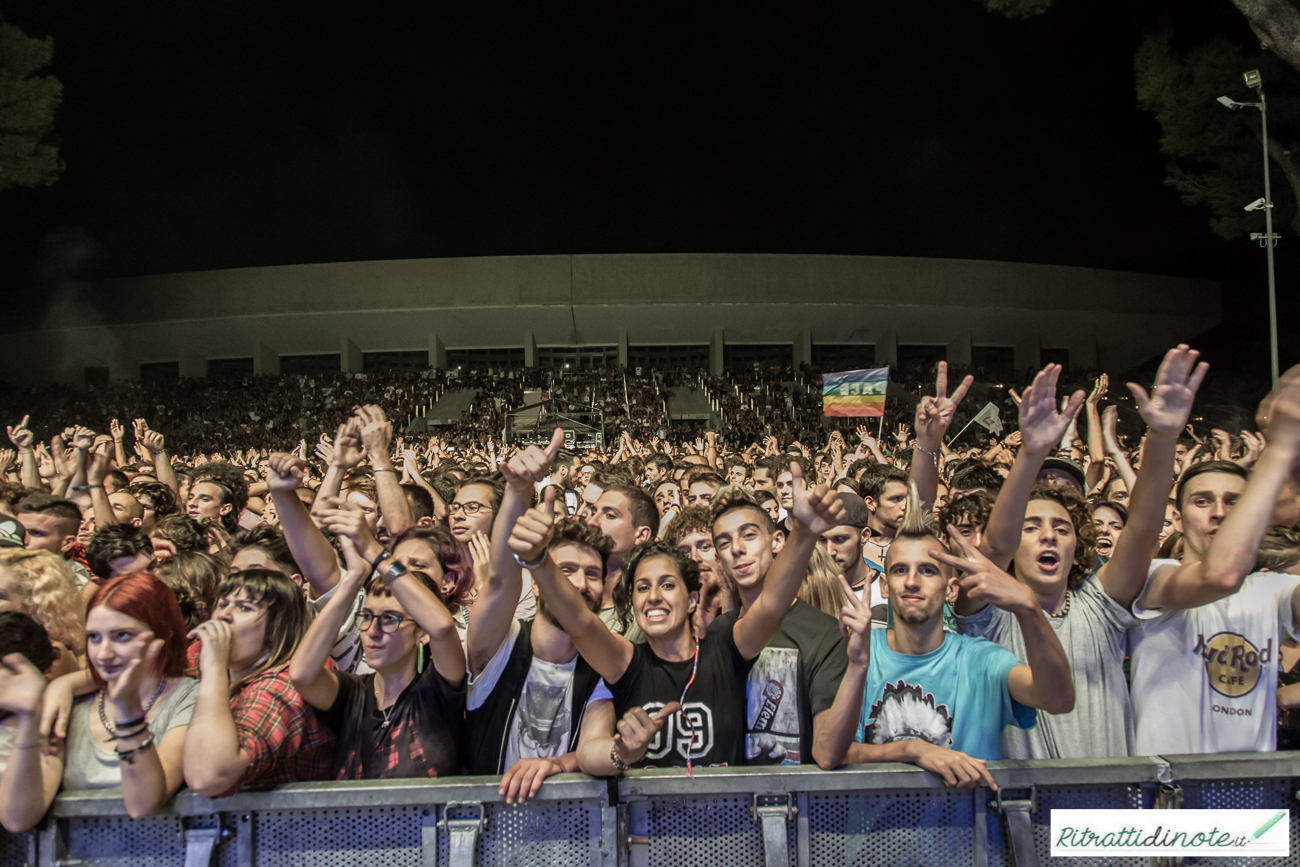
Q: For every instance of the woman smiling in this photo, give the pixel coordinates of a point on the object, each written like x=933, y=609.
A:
x=130, y=731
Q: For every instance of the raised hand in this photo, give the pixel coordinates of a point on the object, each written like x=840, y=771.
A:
x=347, y=445
x=530, y=466
x=1099, y=389
x=124, y=691
x=480, y=552
x=346, y=519
x=934, y=414
x=1170, y=402
x=817, y=508
x=374, y=430
x=637, y=729
x=284, y=472
x=1254, y=444
x=532, y=532
x=902, y=434
x=82, y=438
x=1279, y=413
x=855, y=625
x=7, y=457
x=1222, y=444
x=216, y=637
x=1041, y=424
x=19, y=434
x=22, y=686
x=153, y=441
x=115, y=430
x=1109, y=428
x=982, y=580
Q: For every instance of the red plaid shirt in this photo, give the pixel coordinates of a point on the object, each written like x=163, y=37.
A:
x=278, y=730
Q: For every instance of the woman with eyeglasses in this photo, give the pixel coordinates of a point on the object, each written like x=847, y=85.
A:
x=404, y=718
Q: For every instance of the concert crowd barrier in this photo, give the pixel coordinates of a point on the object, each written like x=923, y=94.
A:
x=793, y=817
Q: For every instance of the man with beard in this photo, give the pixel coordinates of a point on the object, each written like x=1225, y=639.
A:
x=795, y=678
x=534, y=707
x=934, y=698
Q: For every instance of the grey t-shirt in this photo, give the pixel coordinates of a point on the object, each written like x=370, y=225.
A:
x=88, y=764
x=1093, y=634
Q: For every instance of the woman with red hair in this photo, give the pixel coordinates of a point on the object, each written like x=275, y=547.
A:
x=130, y=731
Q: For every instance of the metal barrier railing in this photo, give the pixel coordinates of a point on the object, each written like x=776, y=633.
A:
x=793, y=817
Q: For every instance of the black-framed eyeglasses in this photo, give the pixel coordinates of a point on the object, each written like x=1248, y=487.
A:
x=388, y=622
x=470, y=508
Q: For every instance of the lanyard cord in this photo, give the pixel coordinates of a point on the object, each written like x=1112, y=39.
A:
x=685, y=718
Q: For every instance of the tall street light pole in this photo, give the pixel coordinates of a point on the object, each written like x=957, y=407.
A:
x=1268, y=239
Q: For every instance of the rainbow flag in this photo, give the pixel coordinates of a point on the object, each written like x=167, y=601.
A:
x=855, y=392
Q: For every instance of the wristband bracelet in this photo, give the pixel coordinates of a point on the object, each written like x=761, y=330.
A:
x=395, y=571
x=520, y=561
x=85, y=487
x=618, y=763
x=383, y=555
x=386, y=470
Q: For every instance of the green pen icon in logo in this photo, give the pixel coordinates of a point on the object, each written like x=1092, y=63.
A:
x=1263, y=829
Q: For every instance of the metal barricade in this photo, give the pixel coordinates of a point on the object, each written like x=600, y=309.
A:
x=778, y=817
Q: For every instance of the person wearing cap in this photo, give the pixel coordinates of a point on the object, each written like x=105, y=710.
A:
x=844, y=545
x=1063, y=471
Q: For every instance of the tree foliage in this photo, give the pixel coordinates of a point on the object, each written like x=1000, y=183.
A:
x=29, y=152
x=1215, y=154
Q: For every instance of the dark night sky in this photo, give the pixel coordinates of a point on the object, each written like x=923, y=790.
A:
x=219, y=134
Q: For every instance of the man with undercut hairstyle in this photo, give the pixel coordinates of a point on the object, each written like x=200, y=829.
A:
x=51, y=524
x=534, y=706
x=692, y=533
x=916, y=693
x=627, y=515
x=795, y=678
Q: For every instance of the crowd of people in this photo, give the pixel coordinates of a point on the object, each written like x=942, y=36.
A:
x=202, y=591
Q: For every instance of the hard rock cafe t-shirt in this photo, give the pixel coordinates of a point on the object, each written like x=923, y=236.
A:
x=1205, y=679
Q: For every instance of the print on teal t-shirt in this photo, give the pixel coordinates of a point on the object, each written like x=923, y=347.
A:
x=956, y=696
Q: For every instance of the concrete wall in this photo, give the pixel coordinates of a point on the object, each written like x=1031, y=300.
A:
x=1110, y=318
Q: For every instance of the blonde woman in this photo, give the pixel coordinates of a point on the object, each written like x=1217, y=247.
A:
x=41, y=585
x=821, y=586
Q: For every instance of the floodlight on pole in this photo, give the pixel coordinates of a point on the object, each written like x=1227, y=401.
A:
x=1267, y=239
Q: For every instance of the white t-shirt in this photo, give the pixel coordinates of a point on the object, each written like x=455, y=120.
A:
x=1205, y=679
x=541, y=725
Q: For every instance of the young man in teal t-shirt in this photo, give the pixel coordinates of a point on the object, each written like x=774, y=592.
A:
x=915, y=693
